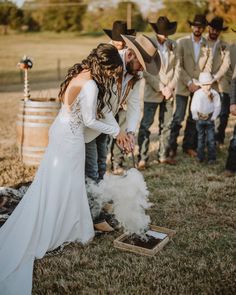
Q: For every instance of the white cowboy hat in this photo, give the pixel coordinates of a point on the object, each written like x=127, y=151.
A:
x=146, y=52
x=205, y=78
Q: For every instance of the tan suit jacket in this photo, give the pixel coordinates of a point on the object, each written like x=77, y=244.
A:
x=233, y=59
x=189, y=68
x=168, y=75
x=220, y=65
x=231, y=74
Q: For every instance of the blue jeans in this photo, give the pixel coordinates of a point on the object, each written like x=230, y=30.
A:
x=117, y=157
x=96, y=155
x=206, y=134
x=190, y=132
x=231, y=160
x=165, y=117
x=222, y=120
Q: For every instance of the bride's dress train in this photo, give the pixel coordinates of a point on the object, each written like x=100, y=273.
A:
x=55, y=208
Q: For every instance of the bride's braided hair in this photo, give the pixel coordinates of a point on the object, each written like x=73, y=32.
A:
x=100, y=61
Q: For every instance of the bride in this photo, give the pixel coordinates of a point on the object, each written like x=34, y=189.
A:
x=55, y=208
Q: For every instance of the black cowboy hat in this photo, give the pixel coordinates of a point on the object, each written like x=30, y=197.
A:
x=145, y=51
x=199, y=21
x=163, y=26
x=119, y=27
x=217, y=23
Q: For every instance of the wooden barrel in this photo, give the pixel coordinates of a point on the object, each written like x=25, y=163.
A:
x=33, y=122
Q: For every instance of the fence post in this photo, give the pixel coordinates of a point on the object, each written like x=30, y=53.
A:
x=58, y=69
x=21, y=77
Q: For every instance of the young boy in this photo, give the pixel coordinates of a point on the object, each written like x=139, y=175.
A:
x=205, y=108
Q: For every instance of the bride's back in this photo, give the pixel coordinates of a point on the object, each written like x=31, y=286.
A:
x=75, y=86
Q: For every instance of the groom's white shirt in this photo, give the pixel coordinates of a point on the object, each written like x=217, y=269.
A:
x=133, y=105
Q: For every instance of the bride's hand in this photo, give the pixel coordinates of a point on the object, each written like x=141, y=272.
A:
x=123, y=141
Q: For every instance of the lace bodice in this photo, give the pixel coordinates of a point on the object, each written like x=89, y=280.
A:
x=75, y=115
x=83, y=111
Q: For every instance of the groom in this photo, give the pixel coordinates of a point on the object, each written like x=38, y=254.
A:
x=97, y=149
x=141, y=54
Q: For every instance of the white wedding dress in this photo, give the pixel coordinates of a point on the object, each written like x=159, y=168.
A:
x=55, y=208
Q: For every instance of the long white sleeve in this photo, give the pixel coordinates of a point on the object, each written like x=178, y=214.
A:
x=202, y=104
x=88, y=105
x=217, y=105
x=194, y=107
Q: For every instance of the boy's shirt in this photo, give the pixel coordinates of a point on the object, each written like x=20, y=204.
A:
x=201, y=104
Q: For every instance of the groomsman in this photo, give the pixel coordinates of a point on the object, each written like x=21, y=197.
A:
x=195, y=57
x=220, y=66
x=159, y=93
x=231, y=159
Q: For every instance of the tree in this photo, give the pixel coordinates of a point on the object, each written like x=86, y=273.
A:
x=103, y=17
x=58, y=15
x=29, y=23
x=223, y=8
x=10, y=16
x=180, y=11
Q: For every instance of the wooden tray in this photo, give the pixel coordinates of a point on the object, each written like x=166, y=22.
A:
x=120, y=244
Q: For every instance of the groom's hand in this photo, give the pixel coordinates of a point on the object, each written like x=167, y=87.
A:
x=132, y=140
x=233, y=109
x=123, y=140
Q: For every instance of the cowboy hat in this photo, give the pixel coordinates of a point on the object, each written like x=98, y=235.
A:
x=205, y=78
x=217, y=23
x=145, y=51
x=163, y=26
x=119, y=27
x=199, y=21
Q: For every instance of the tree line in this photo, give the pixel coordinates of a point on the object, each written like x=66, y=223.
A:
x=68, y=15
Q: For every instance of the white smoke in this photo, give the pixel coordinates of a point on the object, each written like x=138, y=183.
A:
x=130, y=199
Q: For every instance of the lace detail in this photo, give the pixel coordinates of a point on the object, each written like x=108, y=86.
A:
x=75, y=115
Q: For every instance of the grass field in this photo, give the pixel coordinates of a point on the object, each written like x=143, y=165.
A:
x=47, y=50
x=194, y=199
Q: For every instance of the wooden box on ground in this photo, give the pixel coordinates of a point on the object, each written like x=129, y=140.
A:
x=121, y=244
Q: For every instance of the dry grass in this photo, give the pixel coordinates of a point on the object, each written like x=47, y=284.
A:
x=46, y=49
x=195, y=200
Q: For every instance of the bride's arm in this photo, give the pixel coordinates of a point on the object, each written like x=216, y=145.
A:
x=88, y=104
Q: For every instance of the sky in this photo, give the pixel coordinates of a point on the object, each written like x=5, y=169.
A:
x=145, y=5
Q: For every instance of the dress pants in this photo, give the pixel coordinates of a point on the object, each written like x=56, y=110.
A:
x=190, y=132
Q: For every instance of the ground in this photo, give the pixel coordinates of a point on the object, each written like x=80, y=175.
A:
x=195, y=200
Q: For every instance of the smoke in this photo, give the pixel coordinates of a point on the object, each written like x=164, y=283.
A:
x=130, y=199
